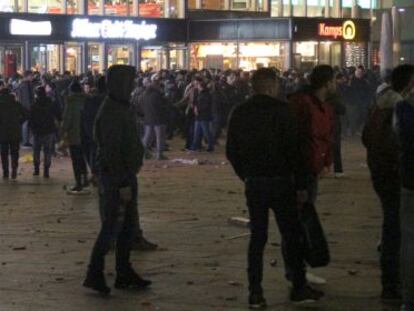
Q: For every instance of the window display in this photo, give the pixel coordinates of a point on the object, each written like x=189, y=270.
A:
x=119, y=55
x=11, y=57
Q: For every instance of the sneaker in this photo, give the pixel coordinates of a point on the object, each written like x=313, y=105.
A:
x=46, y=173
x=14, y=175
x=6, y=175
x=391, y=293
x=314, y=279
x=97, y=283
x=131, y=279
x=142, y=244
x=339, y=175
x=36, y=172
x=305, y=295
x=75, y=190
x=257, y=301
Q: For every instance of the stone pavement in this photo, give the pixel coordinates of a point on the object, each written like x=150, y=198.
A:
x=46, y=237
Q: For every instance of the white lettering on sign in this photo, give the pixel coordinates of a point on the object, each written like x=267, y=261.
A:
x=21, y=27
x=107, y=29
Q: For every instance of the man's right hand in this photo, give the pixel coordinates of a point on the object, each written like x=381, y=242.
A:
x=125, y=194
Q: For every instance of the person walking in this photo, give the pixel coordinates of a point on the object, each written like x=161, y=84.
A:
x=74, y=103
x=43, y=119
x=25, y=95
x=267, y=160
x=119, y=159
x=12, y=115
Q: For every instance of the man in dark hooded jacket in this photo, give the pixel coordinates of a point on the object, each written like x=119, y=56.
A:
x=119, y=159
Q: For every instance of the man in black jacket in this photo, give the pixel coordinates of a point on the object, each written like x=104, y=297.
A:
x=12, y=114
x=119, y=159
x=262, y=146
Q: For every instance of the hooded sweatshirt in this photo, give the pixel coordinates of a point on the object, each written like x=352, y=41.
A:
x=379, y=138
x=120, y=151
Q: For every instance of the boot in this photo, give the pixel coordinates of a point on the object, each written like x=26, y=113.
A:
x=130, y=279
x=36, y=171
x=14, y=174
x=142, y=244
x=46, y=172
x=97, y=282
x=85, y=181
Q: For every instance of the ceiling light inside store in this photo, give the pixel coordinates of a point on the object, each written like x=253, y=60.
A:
x=401, y=10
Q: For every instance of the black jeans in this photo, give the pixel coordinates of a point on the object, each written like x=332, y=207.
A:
x=78, y=163
x=119, y=221
x=264, y=194
x=10, y=148
x=389, y=193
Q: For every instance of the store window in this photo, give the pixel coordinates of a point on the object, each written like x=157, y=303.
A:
x=74, y=6
x=154, y=59
x=11, y=6
x=11, y=57
x=119, y=55
x=214, y=55
x=305, y=55
x=118, y=7
x=161, y=8
x=45, y=57
x=177, y=57
x=262, y=54
x=46, y=6
x=316, y=8
x=330, y=53
x=73, y=60
x=95, y=7
x=96, y=57
x=249, y=5
x=355, y=54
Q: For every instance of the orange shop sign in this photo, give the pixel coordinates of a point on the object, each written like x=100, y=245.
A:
x=347, y=31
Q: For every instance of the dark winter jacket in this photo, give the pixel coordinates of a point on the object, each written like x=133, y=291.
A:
x=262, y=141
x=12, y=115
x=203, y=106
x=315, y=121
x=25, y=93
x=43, y=117
x=89, y=112
x=379, y=138
x=120, y=151
x=152, y=105
x=404, y=125
x=72, y=118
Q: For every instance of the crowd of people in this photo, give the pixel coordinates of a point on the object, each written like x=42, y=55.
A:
x=110, y=123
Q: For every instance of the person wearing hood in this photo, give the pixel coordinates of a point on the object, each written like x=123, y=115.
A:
x=74, y=103
x=42, y=122
x=12, y=115
x=383, y=161
x=119, y=160
x=404, y=126
x=25, y=95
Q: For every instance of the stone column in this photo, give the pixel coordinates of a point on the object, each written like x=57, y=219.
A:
x=386, y=43
x=355, y=9
x=327, y=9
x=396, y=31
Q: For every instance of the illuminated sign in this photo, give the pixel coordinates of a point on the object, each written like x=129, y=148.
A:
x=107, y=29
x=347, y=31
x=21, y=27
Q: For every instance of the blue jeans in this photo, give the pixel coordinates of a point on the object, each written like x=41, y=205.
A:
x=44, y=142
x=407, y=245
x=202, y=129
x=119, y=222
x=159, y=131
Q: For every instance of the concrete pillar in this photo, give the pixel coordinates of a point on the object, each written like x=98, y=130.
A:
x=280, y=8
x=386, y=44
x=26, y=63
x=305, y=7
x=25, y=6
x=199, y=4
x=103, y=59
x=101, y=7
x=337, y=9
x=181, y=8
x=135, y=7
x=396, y=35
x=61, y=58
x=65, y=7
x=85, y=57
x=327, y=9
x=356, y=12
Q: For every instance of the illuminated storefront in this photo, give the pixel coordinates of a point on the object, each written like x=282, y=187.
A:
x=48, y=43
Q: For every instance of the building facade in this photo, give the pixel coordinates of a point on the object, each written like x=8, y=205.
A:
x=91, y=35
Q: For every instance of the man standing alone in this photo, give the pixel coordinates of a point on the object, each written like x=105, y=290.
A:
x=119, y=159
x=266, y=160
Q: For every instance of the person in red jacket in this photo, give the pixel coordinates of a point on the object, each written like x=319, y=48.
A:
x=315, y=118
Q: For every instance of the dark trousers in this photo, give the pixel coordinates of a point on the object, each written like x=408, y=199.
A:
x=12, y=149
x=264, y=194
x=389, y=193
x=337, y=150
x=78, y=163
x=89, y=151
x=119, y=221
x=44, y=142
x=189, y=131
